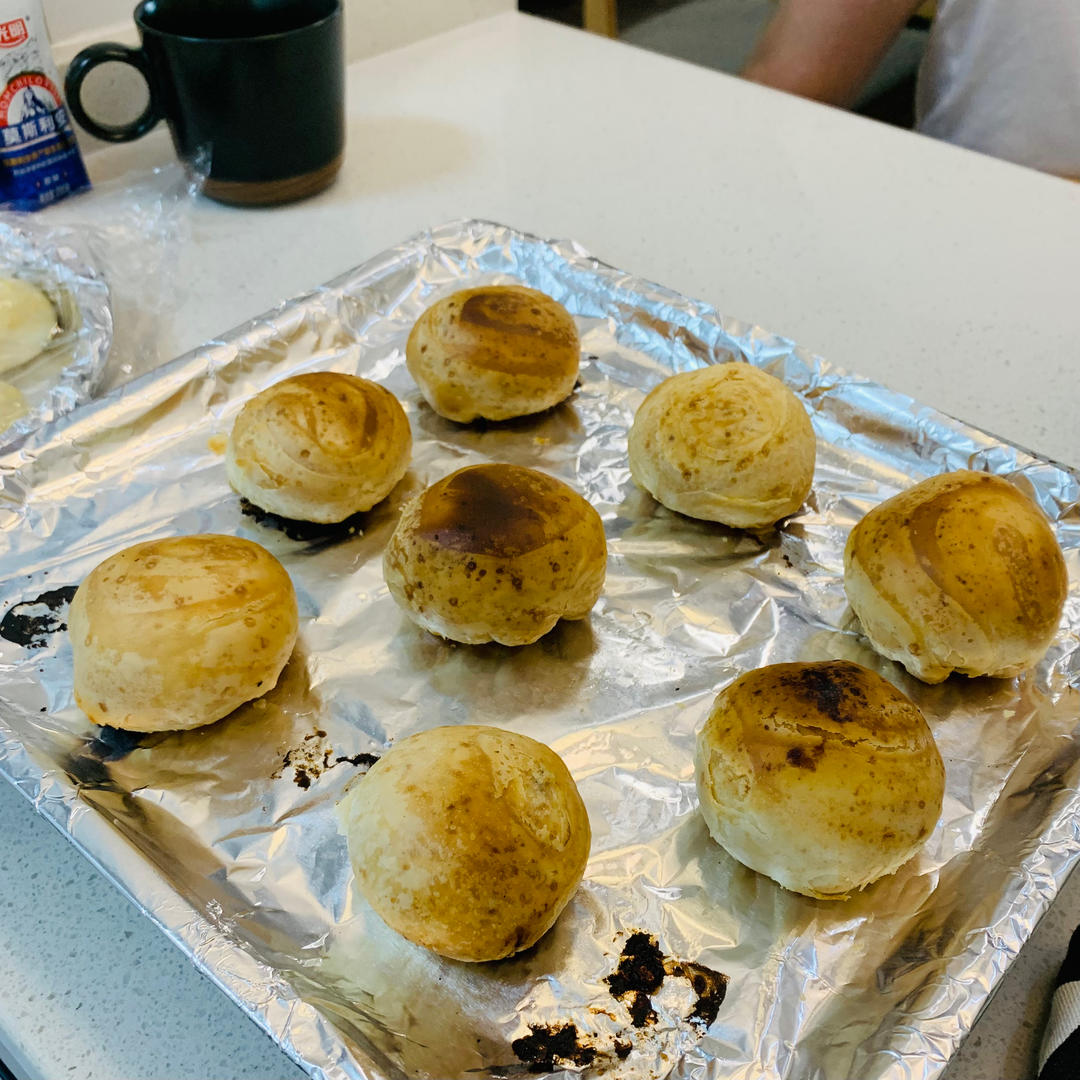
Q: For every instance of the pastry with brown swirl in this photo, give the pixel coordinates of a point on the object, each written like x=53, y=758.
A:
x=726, y=443
x=467, y=840
x=176, y=633
x=319, y=447
x=961, y=572
x=495, y=352
x=496, y=553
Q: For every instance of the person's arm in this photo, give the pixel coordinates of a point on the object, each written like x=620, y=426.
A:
x=826, y=49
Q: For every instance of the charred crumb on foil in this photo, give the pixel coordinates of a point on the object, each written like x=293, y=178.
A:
x=641, y=971
x=638, y=975
x=22, y=625
x=357, y=759
x=311, y=532
x=709, y=986
x=549, y=1046
x=312, y=758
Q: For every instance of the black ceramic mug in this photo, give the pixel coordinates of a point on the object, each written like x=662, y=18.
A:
x=252, y=89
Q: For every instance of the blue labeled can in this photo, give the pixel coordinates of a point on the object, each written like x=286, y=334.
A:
x=39, y=157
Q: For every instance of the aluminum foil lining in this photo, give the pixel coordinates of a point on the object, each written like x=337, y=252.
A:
x=672, y=959
x=72, y=366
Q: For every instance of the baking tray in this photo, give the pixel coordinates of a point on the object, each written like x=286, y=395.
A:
x=226, y=837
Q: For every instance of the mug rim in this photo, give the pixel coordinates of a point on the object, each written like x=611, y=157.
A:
x=335, y=12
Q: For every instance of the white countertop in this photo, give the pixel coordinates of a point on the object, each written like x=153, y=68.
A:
x=942, y=273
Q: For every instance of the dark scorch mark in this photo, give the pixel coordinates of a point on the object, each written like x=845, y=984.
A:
x=312, y=758
x=641, y=971
x=639, y=974
x=89, y=765
x=833, y=688
x=550, y=1047
x=309, y=532
x=31, y=622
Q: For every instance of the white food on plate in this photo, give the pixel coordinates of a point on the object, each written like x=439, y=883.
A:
x=27, y=322
x=12, y=405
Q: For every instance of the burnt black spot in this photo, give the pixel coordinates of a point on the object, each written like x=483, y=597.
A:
x=806, y=758
x=640, y=972
x=112, y=744
x=640, y=1006
x=709, y=986
x=27, y=625
x=549, y=1045
x=834, y=688
x=317, y=535
x=358, y=759
x=89, y=765
x=497, y=510
x=313, y=757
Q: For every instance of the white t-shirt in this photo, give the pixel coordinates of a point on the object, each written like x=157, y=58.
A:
x=1003, y=77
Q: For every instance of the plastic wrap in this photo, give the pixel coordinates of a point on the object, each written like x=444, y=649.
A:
x=112, y=284
x=227, y=836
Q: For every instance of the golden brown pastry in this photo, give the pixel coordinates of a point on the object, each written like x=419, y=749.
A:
x=319, y=447
x=725, y=443
x=822, y=776
x=27, y=322
x=174, y=634
x=12, y=405
x=497, y=351
x=496, y=553
x=467, y=840
x=959, y=573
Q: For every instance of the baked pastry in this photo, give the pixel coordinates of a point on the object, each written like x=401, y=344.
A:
x=959, y=573
x=467, y=840
x=496, y=553
x=174, y=634
x=497, y=351
x=12, y=405
x=319, y=447
x=27, y=322
x=822, y=776
x=725, y=443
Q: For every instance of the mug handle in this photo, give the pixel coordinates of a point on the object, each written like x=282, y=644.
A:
x=83, y=64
